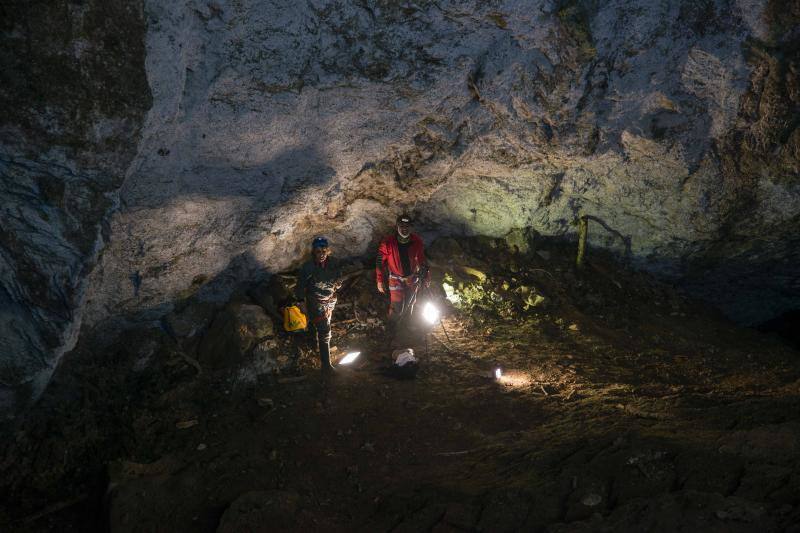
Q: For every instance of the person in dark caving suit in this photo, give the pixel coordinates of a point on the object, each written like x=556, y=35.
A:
x=317, y=284
x=400, y=268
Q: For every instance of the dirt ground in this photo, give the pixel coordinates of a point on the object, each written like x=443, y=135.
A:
x=623, y=405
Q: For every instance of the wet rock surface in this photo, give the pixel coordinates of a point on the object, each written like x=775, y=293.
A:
x=623, y=405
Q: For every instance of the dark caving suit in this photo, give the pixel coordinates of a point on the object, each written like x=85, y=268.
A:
x=405, y=266
x=317, y=284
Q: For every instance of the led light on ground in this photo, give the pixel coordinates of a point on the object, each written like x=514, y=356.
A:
x=430, y=313
x=349, y=358
x=511, y=379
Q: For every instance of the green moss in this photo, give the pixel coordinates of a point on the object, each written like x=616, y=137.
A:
x=491, y=298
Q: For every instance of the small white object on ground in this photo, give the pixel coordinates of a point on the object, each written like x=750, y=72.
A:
x=404, y=356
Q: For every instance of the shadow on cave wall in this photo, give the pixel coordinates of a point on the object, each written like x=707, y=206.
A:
x=280, y=180
x=288, y=173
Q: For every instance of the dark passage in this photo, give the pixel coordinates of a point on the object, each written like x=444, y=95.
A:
x=786, y=326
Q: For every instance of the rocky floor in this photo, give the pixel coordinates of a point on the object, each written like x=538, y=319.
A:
x=623, y=405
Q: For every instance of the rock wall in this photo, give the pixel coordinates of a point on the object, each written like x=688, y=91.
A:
x=74, y=93
x=675, y=124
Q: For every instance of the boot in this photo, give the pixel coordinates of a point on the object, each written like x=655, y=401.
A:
x=325, y=357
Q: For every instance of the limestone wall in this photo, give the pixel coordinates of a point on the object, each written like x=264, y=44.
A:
x=675, y=123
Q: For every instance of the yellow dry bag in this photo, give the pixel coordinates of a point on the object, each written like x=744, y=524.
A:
x=294, y=319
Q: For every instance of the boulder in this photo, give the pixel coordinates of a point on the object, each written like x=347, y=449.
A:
x=520, y=240
x=272, y=294
x=265, y=359
x=233, y=334
x=190, y=319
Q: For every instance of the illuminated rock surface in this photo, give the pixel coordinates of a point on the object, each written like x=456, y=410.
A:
x=268, y=122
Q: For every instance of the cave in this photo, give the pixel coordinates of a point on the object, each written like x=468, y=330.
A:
x=593, y=328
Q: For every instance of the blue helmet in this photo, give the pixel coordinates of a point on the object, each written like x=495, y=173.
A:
x=319, y=242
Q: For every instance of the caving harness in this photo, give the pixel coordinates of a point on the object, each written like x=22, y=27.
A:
x=412, y=281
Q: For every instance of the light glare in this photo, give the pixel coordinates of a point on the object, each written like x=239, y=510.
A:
x=430, y=313
x=498, y=373
x=349, y=358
